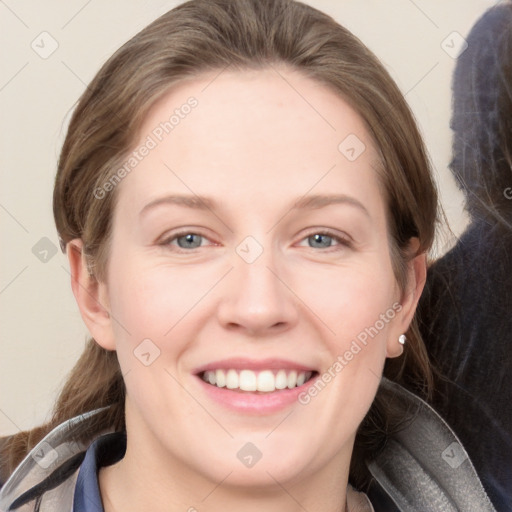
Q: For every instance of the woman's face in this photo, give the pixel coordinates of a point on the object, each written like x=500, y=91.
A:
x=250, y=241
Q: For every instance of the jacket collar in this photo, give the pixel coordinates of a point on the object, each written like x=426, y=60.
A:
x=422, y=467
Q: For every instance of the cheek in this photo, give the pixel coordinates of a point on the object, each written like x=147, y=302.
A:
x=152, y=299
x=357, y=308
x=154, y=308
x=350, y=300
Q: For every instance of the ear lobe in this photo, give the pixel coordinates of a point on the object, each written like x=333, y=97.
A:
x=91, y=296
x=416, y=277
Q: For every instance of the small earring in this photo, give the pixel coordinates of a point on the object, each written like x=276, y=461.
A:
x=402, y=339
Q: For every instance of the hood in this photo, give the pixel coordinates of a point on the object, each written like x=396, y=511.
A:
x=422, y=468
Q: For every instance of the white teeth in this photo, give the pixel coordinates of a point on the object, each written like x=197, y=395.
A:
x=248, y=380
x=292, y=379
x=231, y=379
x=220, y=376
x=266, y=381
x=281, y=380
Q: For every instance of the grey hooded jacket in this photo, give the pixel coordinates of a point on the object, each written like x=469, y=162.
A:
x=423, y=468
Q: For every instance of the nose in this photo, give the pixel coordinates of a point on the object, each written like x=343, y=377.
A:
x=257, y=300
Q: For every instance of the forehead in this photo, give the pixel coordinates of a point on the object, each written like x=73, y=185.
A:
x=253, y=133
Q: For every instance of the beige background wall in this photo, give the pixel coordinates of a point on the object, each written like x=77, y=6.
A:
x=41, y=330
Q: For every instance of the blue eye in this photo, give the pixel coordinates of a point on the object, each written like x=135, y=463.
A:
x=184, y=240
x=320, y=241
x=317, y=240
x=325, y=240
x=189, y=241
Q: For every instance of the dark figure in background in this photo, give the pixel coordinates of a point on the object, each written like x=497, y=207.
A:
x=466, y=310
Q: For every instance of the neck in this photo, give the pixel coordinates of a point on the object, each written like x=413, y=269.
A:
x=138, y=482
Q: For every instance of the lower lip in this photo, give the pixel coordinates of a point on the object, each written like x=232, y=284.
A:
x=254, y=403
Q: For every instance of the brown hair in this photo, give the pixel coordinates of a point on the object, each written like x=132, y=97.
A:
x=211, y=35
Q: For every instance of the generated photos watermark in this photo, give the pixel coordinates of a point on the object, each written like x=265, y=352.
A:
x=342, y=360
x=151, y=142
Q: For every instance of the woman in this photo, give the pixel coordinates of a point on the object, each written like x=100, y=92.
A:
x=246, y=205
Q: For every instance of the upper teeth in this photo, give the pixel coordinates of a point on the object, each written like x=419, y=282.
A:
x=248, y=380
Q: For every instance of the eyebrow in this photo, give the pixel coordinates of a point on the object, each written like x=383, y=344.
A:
x=189, y=201
x=319, y=201
x=310, y=202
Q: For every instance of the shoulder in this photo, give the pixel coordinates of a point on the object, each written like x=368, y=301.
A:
x=424, y=465
x=46, y=479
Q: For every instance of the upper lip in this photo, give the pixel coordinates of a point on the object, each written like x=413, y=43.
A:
x=242, y=363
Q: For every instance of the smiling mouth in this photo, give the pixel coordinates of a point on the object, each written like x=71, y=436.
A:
x=249, y=381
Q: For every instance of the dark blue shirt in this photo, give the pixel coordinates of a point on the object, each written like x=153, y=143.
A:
x=104, y=451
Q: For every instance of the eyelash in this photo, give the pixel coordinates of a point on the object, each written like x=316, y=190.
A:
x=342, y=242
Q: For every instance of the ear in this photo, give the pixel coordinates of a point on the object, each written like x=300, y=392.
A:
x=416, y=277
x=91, y=296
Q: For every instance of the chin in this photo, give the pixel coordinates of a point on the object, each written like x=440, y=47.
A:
x=257, y=462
